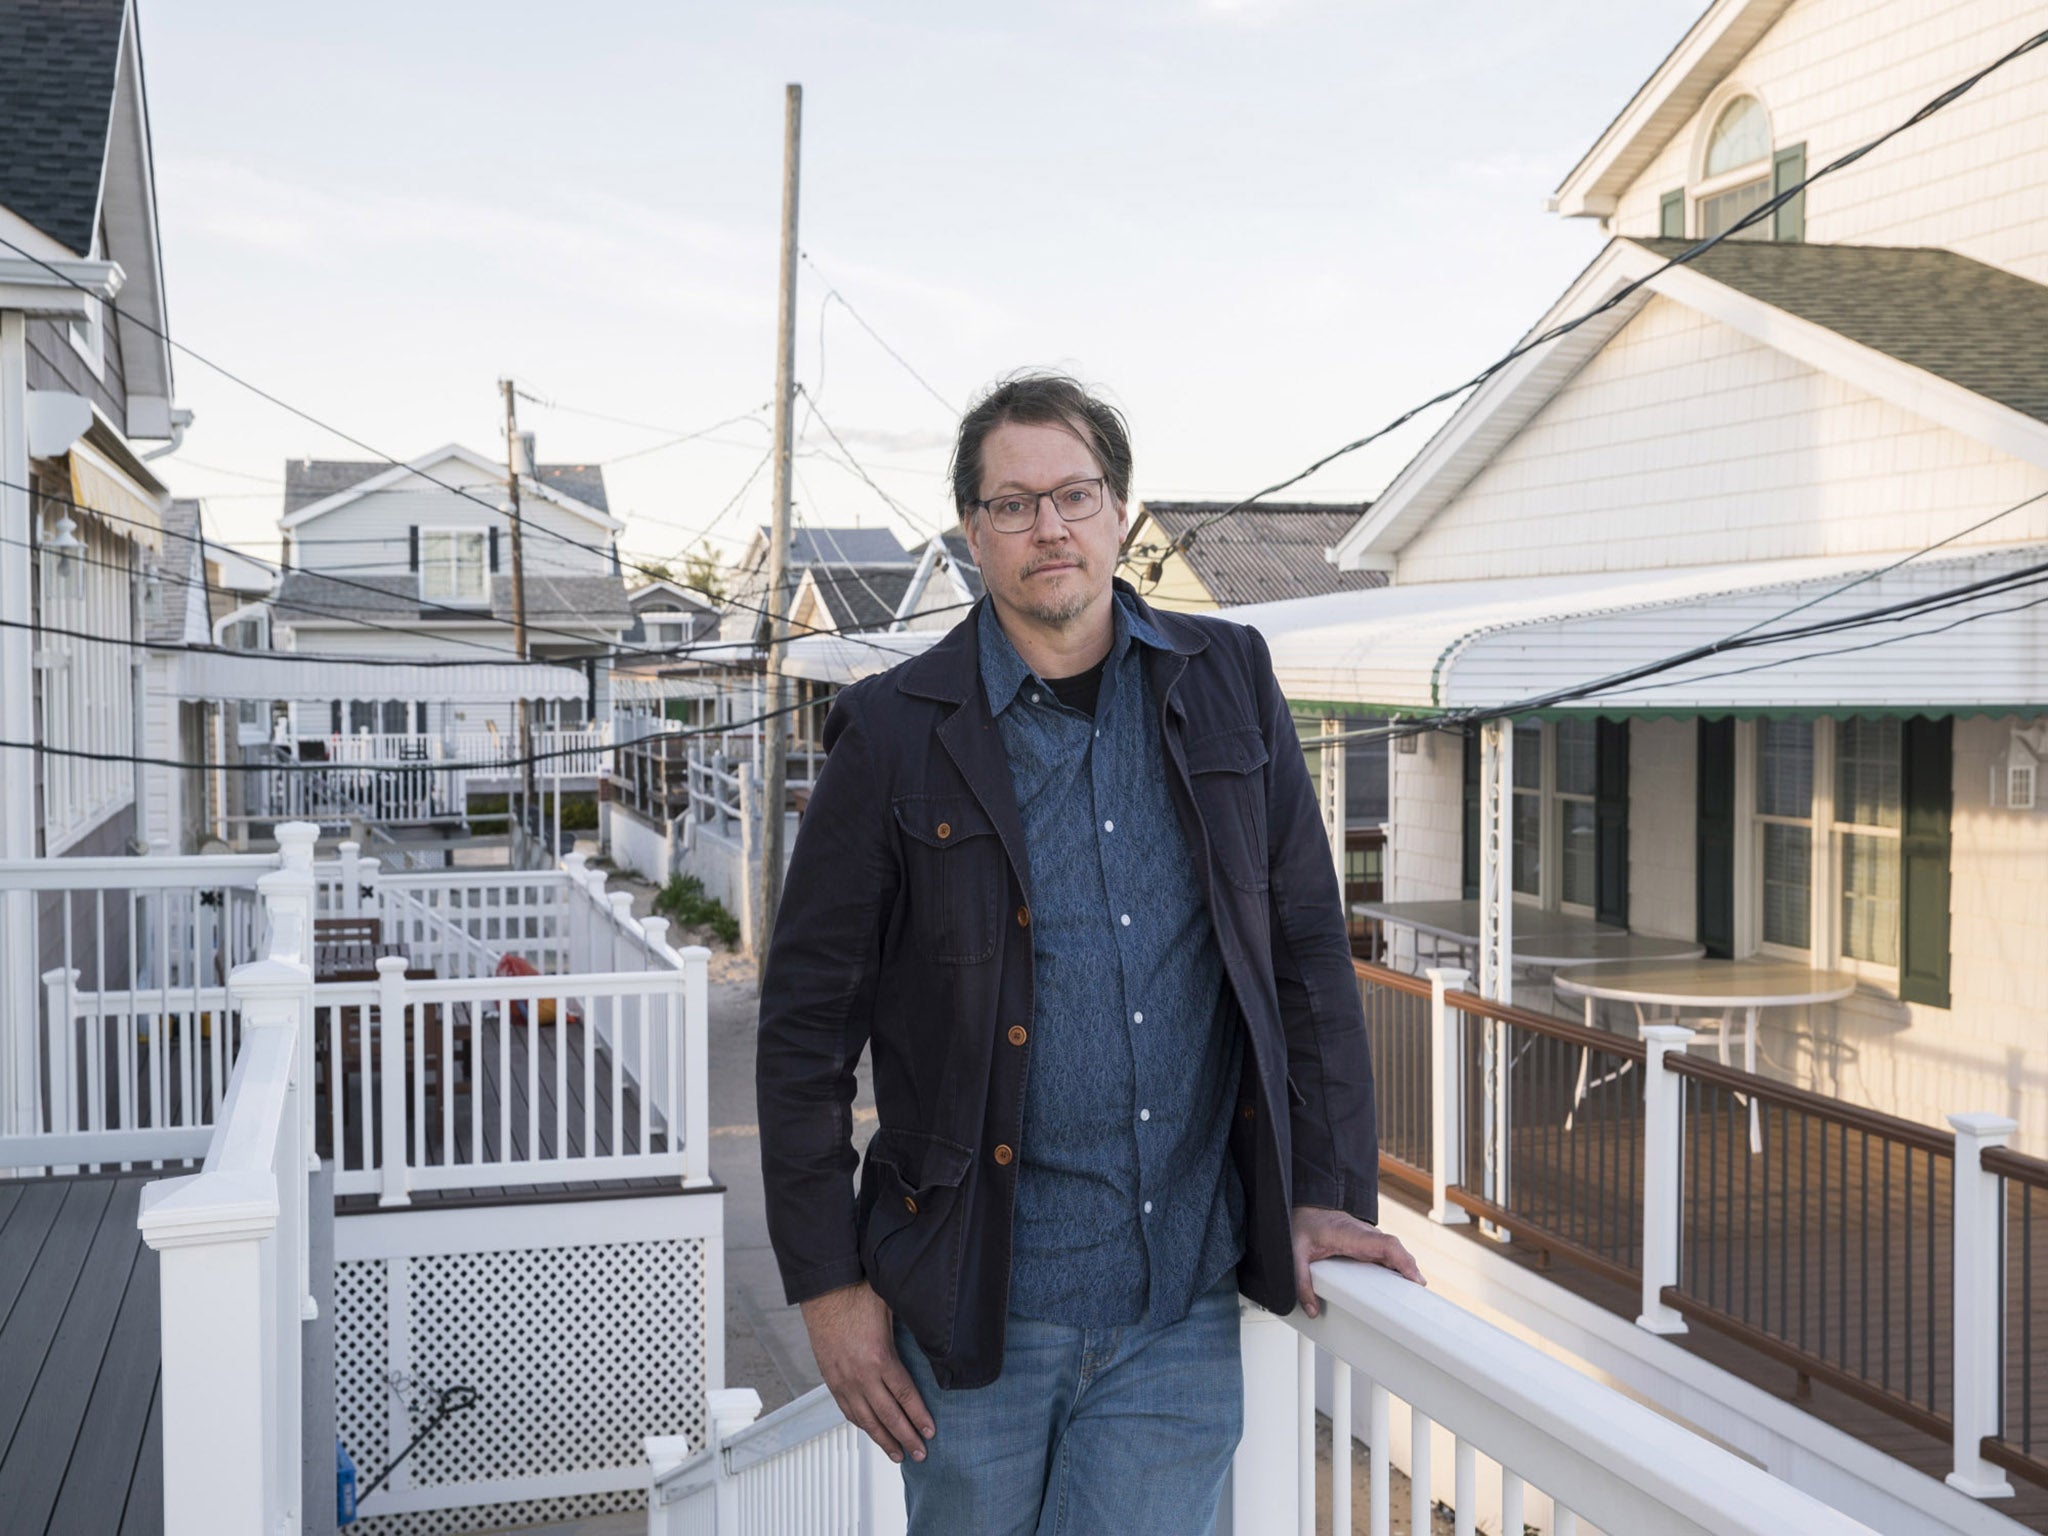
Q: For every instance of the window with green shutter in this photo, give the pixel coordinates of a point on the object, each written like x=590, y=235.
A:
x=1714, y=839
x=1926, y=770
x=1610, y=905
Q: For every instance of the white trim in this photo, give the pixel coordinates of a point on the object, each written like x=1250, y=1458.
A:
x=58, y=289
x=504, y=1490
x=419, y=469
x=420, y=1230
x=1730, y=90
x=1662, y=106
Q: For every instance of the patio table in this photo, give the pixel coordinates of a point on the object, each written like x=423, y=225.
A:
x=1543, y=940
x=1716, y=988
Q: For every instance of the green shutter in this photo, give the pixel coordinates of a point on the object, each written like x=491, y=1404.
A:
x=1610, y=823
x=1471, y=819
x=1928, y=749
x=1671, y=215
x=1788, y=169
x=1714, y=839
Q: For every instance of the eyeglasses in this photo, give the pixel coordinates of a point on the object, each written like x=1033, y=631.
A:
x=1017, y=511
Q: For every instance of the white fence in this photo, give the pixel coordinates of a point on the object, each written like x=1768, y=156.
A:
x=1532, y=1443
x=123, y=1018
x=485, y=754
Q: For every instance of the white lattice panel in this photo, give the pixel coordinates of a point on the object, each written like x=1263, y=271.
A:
x=575, y=1353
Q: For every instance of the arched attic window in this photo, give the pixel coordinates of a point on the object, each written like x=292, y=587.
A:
x=1737, y=174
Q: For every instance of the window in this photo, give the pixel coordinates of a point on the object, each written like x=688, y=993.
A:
x=454, y=565
x=88, y=688
x=1577, y=746
x=1784, y=811
x=1525, y=820
x=89, y=336
x=1867, y=802
x=1736, y=176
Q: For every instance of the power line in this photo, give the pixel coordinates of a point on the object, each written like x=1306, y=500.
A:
x=1755, y=216
x=833, y=295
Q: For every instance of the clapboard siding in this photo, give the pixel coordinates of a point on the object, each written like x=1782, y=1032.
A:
x=331, y=542
x=1426, y=812
x=1685, y=443
x=1835, y=73
x=1662, y=767
x=54, y=364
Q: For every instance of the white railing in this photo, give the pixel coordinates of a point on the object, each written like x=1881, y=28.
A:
x=362, y=790
x=1528, y=1441
x=117, y=1013
x=515, y=1080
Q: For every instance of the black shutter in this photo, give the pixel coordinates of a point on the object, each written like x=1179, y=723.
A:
x=1928, y=749
x=494, y=551
x=1671, y=215
x=334, y=718
x=412, y=547
x=1610, y=823
x=1714, y=840
x=1471, y=819
x=1788, y=169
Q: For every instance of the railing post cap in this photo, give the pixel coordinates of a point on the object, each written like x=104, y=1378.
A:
x=392, y=965
x=349, y=847
x=265, y=976
x=695, y=954
x=60, y=976
x=1447, y=976
x=226, y=1206
x=1983, y=1126
x=666, y=1452
x=730, y=1409
x=295, y=840
x=1667, y=1035
x=574, y=862
x=622, y=901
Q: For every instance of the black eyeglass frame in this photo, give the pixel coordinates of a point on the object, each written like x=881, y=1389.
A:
x=1100, y=482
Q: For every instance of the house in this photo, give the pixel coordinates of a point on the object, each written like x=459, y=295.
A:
x=1190, y=557
x=414, y=561
x=667, y=615
x=853, y=574
x=944, y=586
x=1736, y=576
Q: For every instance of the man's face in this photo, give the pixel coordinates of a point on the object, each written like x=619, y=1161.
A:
x=1054, y=572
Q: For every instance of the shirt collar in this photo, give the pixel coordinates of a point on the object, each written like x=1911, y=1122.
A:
x=1003, y=671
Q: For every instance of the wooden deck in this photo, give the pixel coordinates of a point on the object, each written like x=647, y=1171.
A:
x=486, y=1074
x=80, y=1423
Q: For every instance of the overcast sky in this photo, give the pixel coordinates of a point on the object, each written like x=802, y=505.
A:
x=1263, y=226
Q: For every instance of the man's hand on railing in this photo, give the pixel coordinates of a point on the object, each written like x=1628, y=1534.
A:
x=1320, y=1233
x=850, y=1337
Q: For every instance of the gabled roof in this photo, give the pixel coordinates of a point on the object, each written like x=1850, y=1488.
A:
x=652, y=596
x=961, y=559
x=57, y=110
x=1908, y=339
x=1977, y=326
x=315, y=487
x=858, y=597
x=810, y=546
x=307, y=598
x=1265, y=553
x=1677, y=89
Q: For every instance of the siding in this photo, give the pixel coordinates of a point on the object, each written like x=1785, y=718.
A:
x=1426, y=810
x=384, y=518
x=1684, y=443
x=1835, y=73
x=54, y=364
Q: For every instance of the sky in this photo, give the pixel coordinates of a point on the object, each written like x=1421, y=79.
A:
x=1261, y=227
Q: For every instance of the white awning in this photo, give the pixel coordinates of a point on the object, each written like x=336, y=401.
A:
x=1481, y=644
x=842, y=659
x=267, y=676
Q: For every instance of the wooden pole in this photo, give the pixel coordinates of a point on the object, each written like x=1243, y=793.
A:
x=512, y=468
x=775, y=764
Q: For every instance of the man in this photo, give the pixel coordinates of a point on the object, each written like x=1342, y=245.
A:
x=1065, y=878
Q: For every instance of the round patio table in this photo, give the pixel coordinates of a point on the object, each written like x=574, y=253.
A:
x=1717, y=988
x=1543, y=941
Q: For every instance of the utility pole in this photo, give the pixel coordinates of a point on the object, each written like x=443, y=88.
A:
x=512, y=468
x=775, y=738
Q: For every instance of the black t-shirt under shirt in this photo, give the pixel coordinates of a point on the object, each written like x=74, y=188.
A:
x=1080, y=690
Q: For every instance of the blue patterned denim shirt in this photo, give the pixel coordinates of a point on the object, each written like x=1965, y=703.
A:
x=1128, y=1205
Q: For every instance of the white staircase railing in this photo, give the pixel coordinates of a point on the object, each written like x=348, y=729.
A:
x=1530, y=1442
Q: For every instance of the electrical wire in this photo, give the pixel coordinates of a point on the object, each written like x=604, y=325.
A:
x=1692, y=253
x=833, y=295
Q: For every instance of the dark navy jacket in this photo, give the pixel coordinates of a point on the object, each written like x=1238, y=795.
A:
x=904, y=929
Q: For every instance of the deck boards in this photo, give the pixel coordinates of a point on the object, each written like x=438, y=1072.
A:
x=80, y=1446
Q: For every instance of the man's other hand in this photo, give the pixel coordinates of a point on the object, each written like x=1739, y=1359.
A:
x=1320, y=1233
x=856, y=1355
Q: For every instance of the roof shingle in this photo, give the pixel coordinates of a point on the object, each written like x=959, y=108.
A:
x=1960, y=320
x=309, y=480
x=56, y=105
x=1264, y=553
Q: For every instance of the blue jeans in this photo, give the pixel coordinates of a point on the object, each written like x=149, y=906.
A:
x=1124, y=1430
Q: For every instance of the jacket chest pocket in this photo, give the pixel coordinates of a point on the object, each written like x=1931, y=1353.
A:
x=953, y=875
x=1227, y=773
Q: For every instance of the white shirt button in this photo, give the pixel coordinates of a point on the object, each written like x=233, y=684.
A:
x=1148, y=1207
x=1138, y=1017
x=1109, y=826
x=1144, y=1114
x=1125, y=919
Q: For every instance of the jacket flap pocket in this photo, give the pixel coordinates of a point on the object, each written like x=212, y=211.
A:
x=920, y=1161
x=942, y=821
x=1239, y=751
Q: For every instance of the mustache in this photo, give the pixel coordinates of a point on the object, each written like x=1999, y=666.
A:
x=1076, y=560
